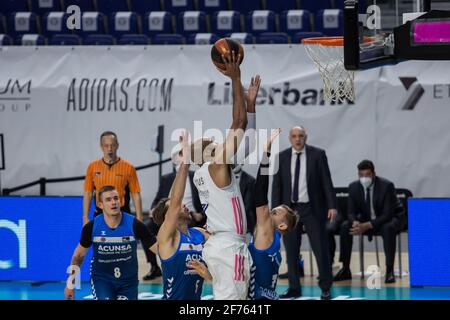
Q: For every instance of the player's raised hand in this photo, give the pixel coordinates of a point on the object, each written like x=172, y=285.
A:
x=232, y=69
x=273, y=135
x=185, y=147
x=69, y=293
x=199, y=268
x=252, y=91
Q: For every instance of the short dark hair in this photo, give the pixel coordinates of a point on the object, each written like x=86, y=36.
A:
x=366, y=165
x=291, y=217
x=103, y=190
x=159, y=213
x=108, y=133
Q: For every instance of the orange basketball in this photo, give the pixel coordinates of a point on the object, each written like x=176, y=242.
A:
x=225, y=46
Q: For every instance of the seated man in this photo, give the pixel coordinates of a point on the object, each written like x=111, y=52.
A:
x=371, y=209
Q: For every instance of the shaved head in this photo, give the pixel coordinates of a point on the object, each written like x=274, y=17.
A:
x=297, y=137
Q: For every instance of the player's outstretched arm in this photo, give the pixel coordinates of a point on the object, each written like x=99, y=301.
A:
x=77, y=260
x=169, y=227
x=263, y=221
x=226, y=151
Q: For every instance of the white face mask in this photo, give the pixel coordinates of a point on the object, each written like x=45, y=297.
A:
x=365, y=181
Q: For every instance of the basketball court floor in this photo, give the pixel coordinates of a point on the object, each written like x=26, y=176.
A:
x=356, y=289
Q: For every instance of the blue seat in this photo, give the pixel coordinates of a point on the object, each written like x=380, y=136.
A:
x=54, y=23
x=241, y=37
x=134, y=39
x=281, y=5
x=191, y=22
x=294, y=21
x=177, y=6
x=299, y=36
x=202, y=38
x=143, y=6
x=157, y=22
x=85, y=5
x=9, y=6
x=260, y=21
x=315, y=5
x=108, y=7
x=123, y=22
x=164, y=38
x=99, y=40
x=330, y=22
x=5, y=40
x=224, y=22
x=92, y=22
x=65, y=40
x=23, y=22
x=211, y=6
x=272, y=37
x=30, y=40
x=42, y=7
x=246, y=6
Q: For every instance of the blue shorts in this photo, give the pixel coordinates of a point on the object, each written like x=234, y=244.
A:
x=107, y=290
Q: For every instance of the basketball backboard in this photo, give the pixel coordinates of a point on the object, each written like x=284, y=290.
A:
x=378, y=32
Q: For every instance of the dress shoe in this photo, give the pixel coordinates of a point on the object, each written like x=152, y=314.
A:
x=343, y=274
x=326, y=295
x=291, y=293
x=154, y=273
x=390, y=277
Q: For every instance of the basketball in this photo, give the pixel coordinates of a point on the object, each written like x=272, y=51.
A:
x=225, y=46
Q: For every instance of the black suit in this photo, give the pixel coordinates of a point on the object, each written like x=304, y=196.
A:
x=385, y=221
x=247, y=187
x=312, y=214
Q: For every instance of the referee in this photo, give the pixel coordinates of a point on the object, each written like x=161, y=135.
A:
x=114, y=171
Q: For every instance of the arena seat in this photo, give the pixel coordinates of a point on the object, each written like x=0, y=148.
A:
x=42, y=7
x=211, y=6
x=92, y=23
x=173, y=38
x=65, y=40
x=241, y=37
x=157, y=22
x=272, y=38
x=99, y=40
x=85, y=5
x=30, y=40
x=281, y=5
x=191, y=22
x=178, y=6
x=134, y=39
x=10, y=6
x=124, y=22
x=142, y=7
x=109, y=7
x=294, y=21
x=202, y=38
x=246, y=6
x=224, y=22
x=260, y=21
x=54, y=23
x=330, y=22
x=23, y=22
x=5, y=40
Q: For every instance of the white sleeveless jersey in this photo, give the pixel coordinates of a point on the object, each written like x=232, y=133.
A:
x=223, y=207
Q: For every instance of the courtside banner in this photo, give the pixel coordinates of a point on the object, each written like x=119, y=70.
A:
x=39, y=236
x=56, y=101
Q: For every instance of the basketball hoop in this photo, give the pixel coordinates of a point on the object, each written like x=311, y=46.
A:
x=327, y=53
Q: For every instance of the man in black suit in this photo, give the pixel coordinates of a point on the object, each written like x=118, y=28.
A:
x=372, y=204
x=303, y=182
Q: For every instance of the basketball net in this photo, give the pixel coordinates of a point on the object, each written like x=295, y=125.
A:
x=327, y=53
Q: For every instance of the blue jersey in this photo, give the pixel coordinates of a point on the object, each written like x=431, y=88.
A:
x=115, y=255
x=179, y=282
x=264, y=271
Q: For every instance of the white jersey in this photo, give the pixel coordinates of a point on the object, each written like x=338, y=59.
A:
x=223, y=207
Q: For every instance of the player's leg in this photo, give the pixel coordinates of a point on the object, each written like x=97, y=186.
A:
x=102, y=289
x=127, y=291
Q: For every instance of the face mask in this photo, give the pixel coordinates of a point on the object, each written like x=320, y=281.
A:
x=365, y=181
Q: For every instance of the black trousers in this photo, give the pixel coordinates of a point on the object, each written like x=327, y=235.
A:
x=333, y=228
x=317, y=233
x=388, y=232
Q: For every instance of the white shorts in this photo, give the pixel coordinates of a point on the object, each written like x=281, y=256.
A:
x=229, y=263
